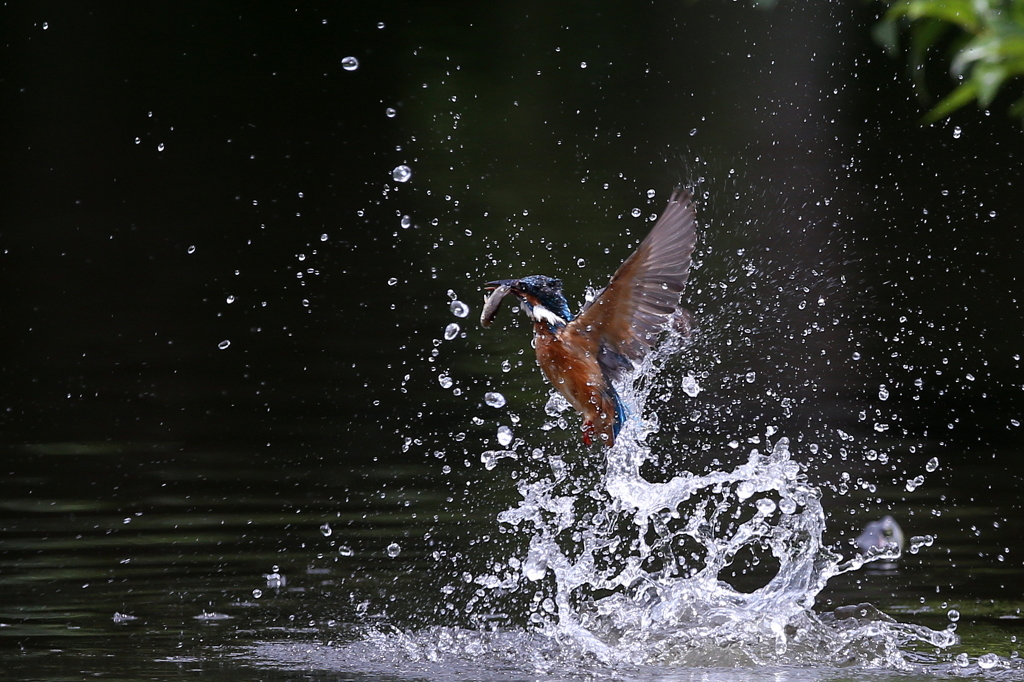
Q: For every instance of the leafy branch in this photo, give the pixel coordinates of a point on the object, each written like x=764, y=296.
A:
x=986, y=51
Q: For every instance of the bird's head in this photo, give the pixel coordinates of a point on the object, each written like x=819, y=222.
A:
x=541, y=297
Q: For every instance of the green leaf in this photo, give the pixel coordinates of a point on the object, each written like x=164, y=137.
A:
x=962, y=13
x=886, y=34
x=983, y=48
x=986, y=50
x=1010, y=42
x=963, y=94
x=989, y=78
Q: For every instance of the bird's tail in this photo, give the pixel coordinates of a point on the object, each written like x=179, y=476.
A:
x=620, y=410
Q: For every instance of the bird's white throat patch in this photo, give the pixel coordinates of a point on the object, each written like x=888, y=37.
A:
x=541, y=314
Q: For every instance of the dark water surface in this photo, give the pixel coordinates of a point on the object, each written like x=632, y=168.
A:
x=223, y=356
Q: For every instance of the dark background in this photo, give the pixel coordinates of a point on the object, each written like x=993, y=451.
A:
x=275, y=170
x=179, y=175
x=804, y=136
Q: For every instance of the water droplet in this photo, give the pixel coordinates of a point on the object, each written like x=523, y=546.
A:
x=46, y=25
x=914, y=483
x=651, y=194
x=988, y=661
x=405, y=222
x=919, y=541
x=581, y=263
x=690, y=386
x=953, y=615
x=506, y=366
x=345, y=550
x=957, y=132
x=750, y=377
x=350, y=63
x=536, y=566
x=451, y=331
x=504, y=436
x=856, y=356
x=693, y=131
x=932, y=464
x=392, y=281
x=160, y=147
x=230, y=299
x=765, y=506
x=459, y=309
x=223, y=345
x=556, y=405
x=394, y=549
x=745, y=489
x=494, y=399
x=883, y=392
x=326, y=530
x=191, y=249
x=635, y=213
x=389, y=112
x=490, y=457
x=583, y=65
x=401, y=173
x=274, y=579
x=257, y=593
x=962, y=660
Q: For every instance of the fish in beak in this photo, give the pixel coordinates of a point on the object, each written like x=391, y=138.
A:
x=492, y=302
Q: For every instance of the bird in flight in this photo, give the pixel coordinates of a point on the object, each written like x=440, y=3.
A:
x=583, y=356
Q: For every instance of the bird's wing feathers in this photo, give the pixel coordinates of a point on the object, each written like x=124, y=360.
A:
x=628, y=314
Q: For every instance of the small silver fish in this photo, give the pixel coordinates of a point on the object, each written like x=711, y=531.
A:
x=491, y=304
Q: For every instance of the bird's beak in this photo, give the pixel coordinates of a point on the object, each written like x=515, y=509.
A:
x=510, y=283
x=499, y=289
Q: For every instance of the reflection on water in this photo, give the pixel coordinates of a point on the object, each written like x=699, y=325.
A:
x=170, y=545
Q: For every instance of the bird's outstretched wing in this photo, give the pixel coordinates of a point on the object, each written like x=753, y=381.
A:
x=627, y=316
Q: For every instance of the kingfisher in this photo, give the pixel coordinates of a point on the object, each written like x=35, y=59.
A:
x=583, y=356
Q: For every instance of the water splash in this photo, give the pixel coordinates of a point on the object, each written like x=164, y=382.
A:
x=619, y=570
x=657, y=594
x=719, y=568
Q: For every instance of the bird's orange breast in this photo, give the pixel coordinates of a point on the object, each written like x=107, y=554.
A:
x=569, y=361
